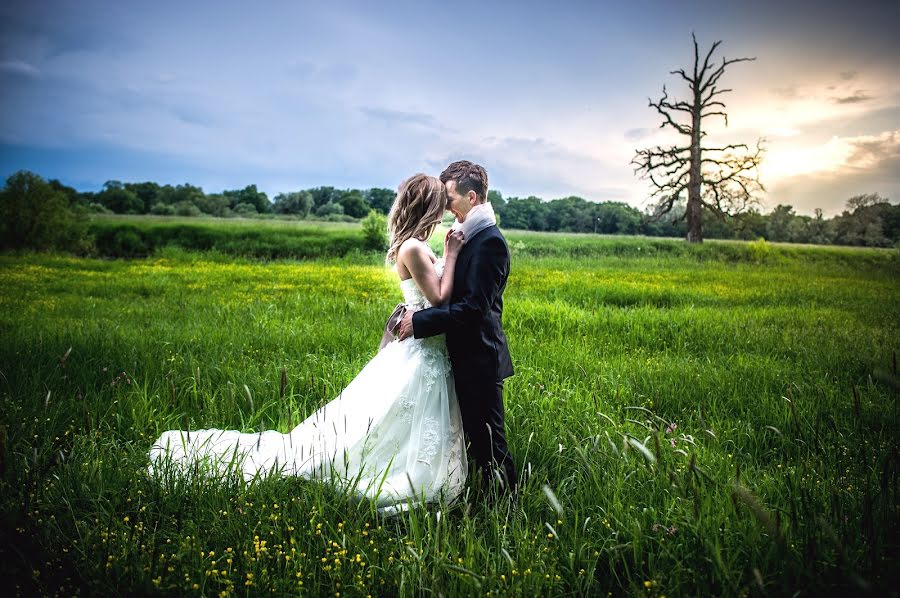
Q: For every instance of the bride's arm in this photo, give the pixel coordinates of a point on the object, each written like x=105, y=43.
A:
x=452, y=244
x=415, y=256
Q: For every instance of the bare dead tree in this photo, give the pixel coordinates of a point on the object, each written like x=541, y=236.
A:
x=721, y=179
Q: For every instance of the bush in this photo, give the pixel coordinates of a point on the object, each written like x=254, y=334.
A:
x=245, y=209
x=128, y=242
x=34, y=215
x=187, y=208
x=329, y=209
x=759, y=250
x=338, y=218
x=98, y=208
x=161, y=209
x=375, y=233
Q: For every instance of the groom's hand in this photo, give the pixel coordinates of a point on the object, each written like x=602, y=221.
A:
x=406, y=326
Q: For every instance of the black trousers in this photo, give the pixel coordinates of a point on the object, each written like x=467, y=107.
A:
x=481, y=408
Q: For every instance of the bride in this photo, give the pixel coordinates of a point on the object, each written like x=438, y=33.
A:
x=394, y=434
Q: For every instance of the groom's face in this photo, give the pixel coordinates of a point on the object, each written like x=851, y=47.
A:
x=459, y=205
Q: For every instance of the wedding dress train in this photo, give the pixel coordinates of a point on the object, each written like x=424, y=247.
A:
x=393, y=434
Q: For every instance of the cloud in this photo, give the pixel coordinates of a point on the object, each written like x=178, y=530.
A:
x=848, y=75
x=19, y=68
x=404, y=118
x=787, y=93
x=856, y=98
x=638, y=134
x=869, y=151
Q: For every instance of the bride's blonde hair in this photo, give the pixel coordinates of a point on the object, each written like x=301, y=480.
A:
x=419, y=207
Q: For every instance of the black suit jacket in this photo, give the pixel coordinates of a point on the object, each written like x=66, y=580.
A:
x=472, y=320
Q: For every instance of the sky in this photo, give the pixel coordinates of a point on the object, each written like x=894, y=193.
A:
x=550, y=97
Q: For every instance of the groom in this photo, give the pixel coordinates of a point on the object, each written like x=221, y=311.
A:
x=472, y=322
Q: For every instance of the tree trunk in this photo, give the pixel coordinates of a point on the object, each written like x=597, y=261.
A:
x=694, y=232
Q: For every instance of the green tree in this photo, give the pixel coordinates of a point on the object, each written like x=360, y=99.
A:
x=529, y=213
x=120, y=200
x=496, y=200
x=324, y=195
x=380, y=199
x=35, y=215
x=820, y=231
x=329, y=209
x=572, y=214
x=181, y=193
x=75, y=198
x=615, y=217
x=245, y=209
x=214, y=204
x=295, y=202
x=750, y=225
x=865, y=221
x=779, y=221
x=147, y=192
x=251, y=195
x=353, y=203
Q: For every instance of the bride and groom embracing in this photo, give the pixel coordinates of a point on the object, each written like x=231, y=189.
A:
x=397, y=433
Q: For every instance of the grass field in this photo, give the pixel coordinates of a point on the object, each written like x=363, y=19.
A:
x=716, y=421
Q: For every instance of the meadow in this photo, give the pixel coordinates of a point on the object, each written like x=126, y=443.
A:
x=713, y=420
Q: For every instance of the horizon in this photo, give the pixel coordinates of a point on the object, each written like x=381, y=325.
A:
x=354, y=96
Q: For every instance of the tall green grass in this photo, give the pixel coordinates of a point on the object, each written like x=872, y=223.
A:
x=684, y=426
x=142, y=236
x=131, y=236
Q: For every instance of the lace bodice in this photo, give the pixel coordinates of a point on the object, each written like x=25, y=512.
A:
x=412, y=294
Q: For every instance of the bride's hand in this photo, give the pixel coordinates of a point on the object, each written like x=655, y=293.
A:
x=453, y=243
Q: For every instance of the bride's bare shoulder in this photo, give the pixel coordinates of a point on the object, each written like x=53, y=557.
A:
x=414, y=249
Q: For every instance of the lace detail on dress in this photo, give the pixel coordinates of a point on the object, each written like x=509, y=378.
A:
x=431, y=438
x=434, y=349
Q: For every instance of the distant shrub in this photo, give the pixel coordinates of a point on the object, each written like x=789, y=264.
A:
x=98, y=208
x=759, y=250
x=186, y=208
x=338, y=218
x=161, y=209
x=329, y=209
x=245, y=209
x=375, y=234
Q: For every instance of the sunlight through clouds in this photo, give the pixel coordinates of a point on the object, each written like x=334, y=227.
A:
x=838, y=153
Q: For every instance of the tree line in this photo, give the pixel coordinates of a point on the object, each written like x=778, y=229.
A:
x=189, y=200
x=41, y=214
x=867, y=220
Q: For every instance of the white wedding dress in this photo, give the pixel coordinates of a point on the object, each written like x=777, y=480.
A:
x=394, y=434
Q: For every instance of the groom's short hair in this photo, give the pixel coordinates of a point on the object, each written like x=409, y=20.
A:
x=469, y=177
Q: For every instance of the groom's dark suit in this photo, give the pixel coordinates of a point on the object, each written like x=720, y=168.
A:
x=477, y=346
